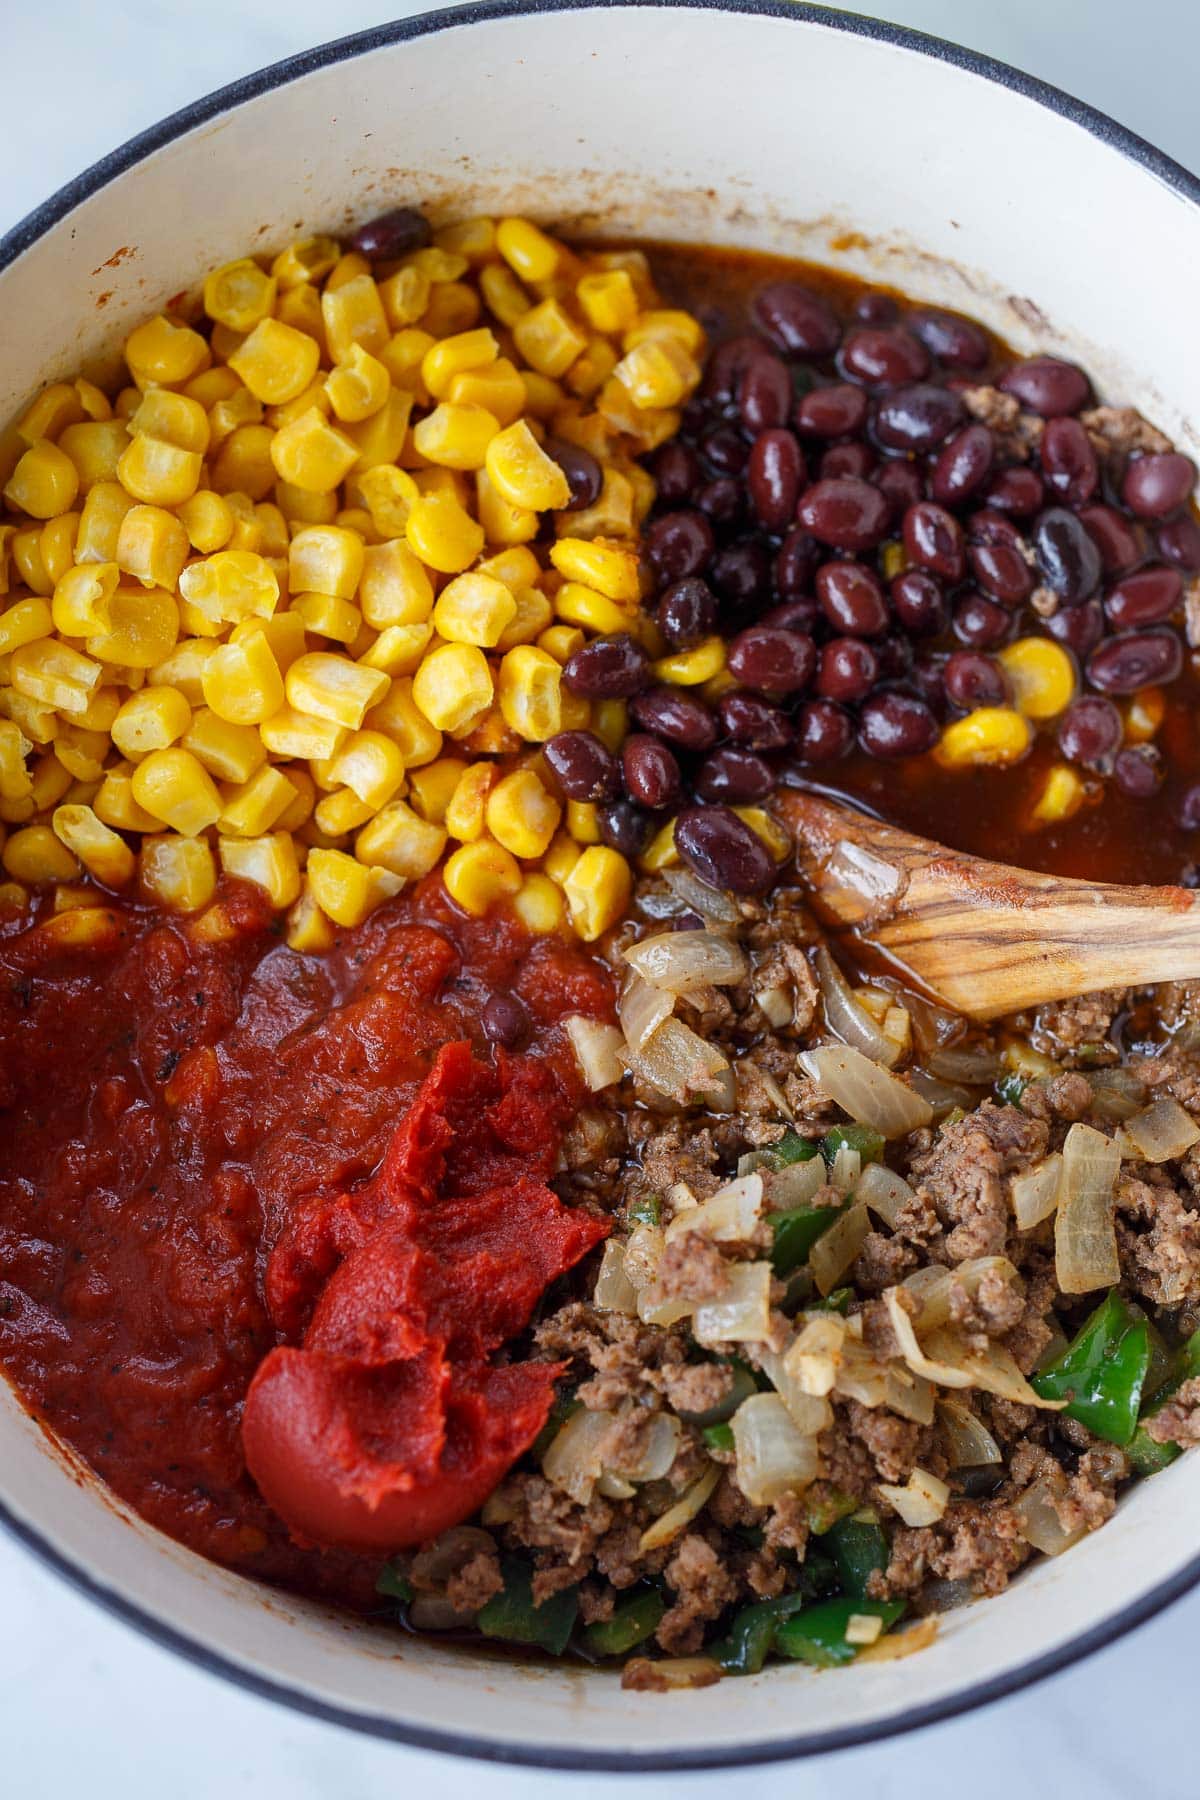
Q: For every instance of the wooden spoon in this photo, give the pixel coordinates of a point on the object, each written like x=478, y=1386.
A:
x=984, y=938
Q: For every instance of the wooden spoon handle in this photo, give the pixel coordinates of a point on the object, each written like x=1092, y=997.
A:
x=985, y=938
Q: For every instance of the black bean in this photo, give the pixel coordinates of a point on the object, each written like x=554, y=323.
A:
x=884, y=356
x=584, y=476
x=794, y=615
x=753, y=723
x=1018, y=491
x=677, y=716
x=652, y=777
x=847, y=514
x=720, y=499
x=917, y=419
x=900, y=484
x=1157, y=485
x=1118, y=539
x=919, y=603
x=933, y=539
x=1066, y=554
x=1143, y=659
x=1046, y=385
x=1187, y=811
x=764, y=395
x=796, y=563
x=1090, y=732
x=725, y=450
x=954, y=341
x=721, y=849
x=849, y=668
x=1079, y=628
x=678, y=544
x=504, y=1020
x=1179, y=543
x=392, y=235
x=1068, y=461
x=1146, y=597
x=896, y=724
x=1002, y=572
x=771, y=661
x=687, y=612
x=876, y=309
x=981, y=623
x=824, y=732
x=609, y=668
x=624, y=827
x=962, y=466
x=797, y=321
x=852, y=599
x=725, y=366
x=676, y=472
x=733, y=775
x=583, y=766
x=972, y=679
x=774, y=476
x=741, y=574
x=1139, y=771
x=856, y=459
x=839, y=410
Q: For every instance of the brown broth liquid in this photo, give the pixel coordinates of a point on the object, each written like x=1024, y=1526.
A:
x=985, y=811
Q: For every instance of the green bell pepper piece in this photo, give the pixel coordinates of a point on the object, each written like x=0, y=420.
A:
x=512, y=1615
x=393, y=1585
x=824, y=1513
x=838, y=1301
x=818, y=1635
x=745, y=1647
x=646, y=1211
x=1145, y=1454
x=1009, y=1088
x=632, y=1623
x=1102, y=1371
x=862, y=1138
x=797, y=1231
x=860, y=1547
x=791, y=1148
x=717, y=1437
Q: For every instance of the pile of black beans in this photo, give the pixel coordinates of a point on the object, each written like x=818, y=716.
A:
x=864, y=544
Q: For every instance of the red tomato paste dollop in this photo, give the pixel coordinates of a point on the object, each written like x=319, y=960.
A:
x=269, y=1224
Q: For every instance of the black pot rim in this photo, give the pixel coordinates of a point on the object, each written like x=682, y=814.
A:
x=818, y=1743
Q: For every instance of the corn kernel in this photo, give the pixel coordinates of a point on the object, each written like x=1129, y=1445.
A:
x=765, y=826
x=158, y=472
x=54, y=674
x=57, y=544
x=213, y=385
x=453, y=308
x=251, y=808
x=474, y=239
x=401, y=718
x=380, y=439
x=178, y=872
x=38, y=722
x=114, y=802
x=663, y=322
x=152, y=719
x=293, y=733
x=432, y=788
x=539, y=905
x=229, y=415
x=24, y=623
x=276, y=361
x=597, y=891
x=688, y=668
x=530, y=693
x=1041, y=675
x=648, y=426
x=305, y=260
x=442, y=534
x=399, y=841
x=103, y=854
x=522, y=473
x=239, y=295
x=1144, y=714
x=1061, y=797
x=81, y=752
x=405, y=295
x=402, y=357
x=474, y=609
x=311, y=454
x=325, y=559
x=326, y=616
x=56, y=407
x=231, y=585
x=456, y=437
x=451, y=357
x=371, y=766
x=99, y=529
x=242, y=682
x=269, y=862
x=502, y=522
x=660, y=852
x=309, y=931
x=35, y=855
x=244, y=465
x=176, y=788
x=172, y=419
x=16, y=783
x=521, y=815
x=583, y=822
x=467, y=807
x=608, y=300
x=164, y=354
x=453, y=686
x=479, y=875
x=345, y=889
x=611, y=568
x=498, y=388
x=395, y=588
x=143, y=626
x=575, y=604
x=548, y=339
x=44, y=482
x=561, y=642
x=229, y=752
x=183, y=668
x=353, y=314
x=300, y=808
x=49, y=782
x=357, y=386
x=152, y=546
x=398, y=649
x=534, y=613
x=330, y=687
x=26, y=548
x=992, y=735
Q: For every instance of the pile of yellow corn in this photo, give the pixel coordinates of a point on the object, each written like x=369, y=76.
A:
x=274, y=608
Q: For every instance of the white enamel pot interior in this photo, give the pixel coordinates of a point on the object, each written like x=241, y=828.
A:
x=764, y=125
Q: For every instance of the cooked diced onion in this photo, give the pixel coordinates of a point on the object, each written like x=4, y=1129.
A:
x=922, y=1500
x=662, y=1309
x=767, y=1084
x=669, y=1524
x=861, y=1376
x=1037, y=1520
x=847, y=1017
x=742, y=1313
x=810, y=1413
x=943, y=1096
x=836, y=1248
x=813, y=1357
x=698, y=897
x=678, y=1062
x=599, y=1051
x=614, y=1292
x=968, y=1440
x=909, y=1395
x=868, y=1093
x=642, y=1009
x=1116, y=1093
x=774, y=1457
x=614, y=1487
x=883, y=1191
x=894, y=1645
x=863, y=1628
x=975, y=1064
x=728, y=1217
x=776, y=1006
x=682, y=961
x=643, y=1253
x=1035, y=1194
x=675, y=1672
x=574, y=1456
x=993, y=1370
x=1163, y=1132
x=795, y=1184
x=1085, y=1236
x=845, y=1169
x=660, y=1446
x=934, y=1286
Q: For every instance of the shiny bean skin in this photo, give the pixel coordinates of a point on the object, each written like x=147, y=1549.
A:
x=392, y=235
x=796, y=563
x=1018, y=491
x=1046, y=385
x=933, y=539
x=1090, y=732
x=726, y=451
x=1187, y=809
x=720, y=499
x=1078, y=628
x=1117, y=538
x=884, y=356
x=1138, y=771
x=734, y=775
x=824, y=732
x=764, y=396
x=1145, y=598
x=1067, y=555
x=772, y=662
x=721, y=849
x=652, y=777
x=972, y=679
x=624, y=827
x=895, y=654
x=678, y=544
x=954, y=341
x=774, y=476
x=848, y=669
x=1002, y=572
x=797, y=321
x=583, y=473
x=900, y=484
x=988, y=527
x=1143, y=659
x=504, y=1020
x=919, y=603
x=1179, y=543
x=726, y=365
x=609, y=668
x=963, y=465
x=831, y=412
x=846, y=459
x=895, y=724
x=583, y=767
x=876, y=309
x=676, y=473
x=846, y=514
x=675, y=715
x=794, y=615
x=918, y=418
x=741, y=574
x=687, y=612
x=852, y=599
x=753, y=723
x=980, y=623
x=1157, y=485
x=1069, y=467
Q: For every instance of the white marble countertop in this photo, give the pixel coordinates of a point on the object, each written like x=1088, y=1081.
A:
x=88, y=1706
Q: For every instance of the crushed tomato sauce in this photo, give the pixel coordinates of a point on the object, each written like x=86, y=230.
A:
x=227, y=1169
